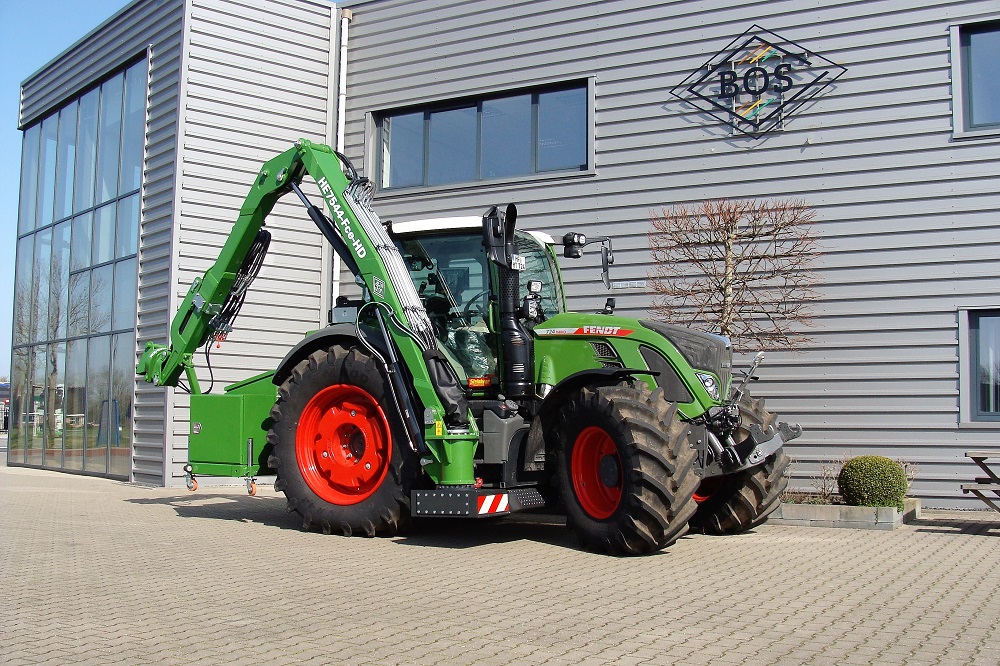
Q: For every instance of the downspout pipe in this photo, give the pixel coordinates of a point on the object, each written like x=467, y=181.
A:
x=346, y=15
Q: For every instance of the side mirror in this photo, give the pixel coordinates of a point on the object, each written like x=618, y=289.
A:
x=605, y=262
x=607, y=258
x=573, y=244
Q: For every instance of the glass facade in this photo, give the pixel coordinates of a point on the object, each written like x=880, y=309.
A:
x=76, y=281
x=535, y=131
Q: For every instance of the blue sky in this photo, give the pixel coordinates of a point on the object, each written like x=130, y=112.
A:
x=31, y=34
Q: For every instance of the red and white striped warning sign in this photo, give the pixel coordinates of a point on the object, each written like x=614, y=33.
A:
x=492, y=504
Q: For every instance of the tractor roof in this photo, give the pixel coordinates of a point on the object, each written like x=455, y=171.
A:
x=437, y=224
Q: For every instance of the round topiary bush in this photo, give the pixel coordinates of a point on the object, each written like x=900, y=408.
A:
x=872, y=481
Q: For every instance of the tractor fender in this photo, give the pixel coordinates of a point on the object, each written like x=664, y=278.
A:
x=344, y=334
x=535, y=444
x=596, y=377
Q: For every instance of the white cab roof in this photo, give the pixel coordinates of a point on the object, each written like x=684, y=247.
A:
x=437, y=224
x=452, y=223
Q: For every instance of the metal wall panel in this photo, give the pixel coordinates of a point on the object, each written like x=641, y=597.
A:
x=906, y=212
x=156, y=237
x=108, y=47
x=256, y=77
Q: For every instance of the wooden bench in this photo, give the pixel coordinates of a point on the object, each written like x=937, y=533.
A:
x=985, y=484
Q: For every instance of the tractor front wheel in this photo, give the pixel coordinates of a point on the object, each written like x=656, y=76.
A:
x=340, y=459
x=624, y=470
x=739, y=502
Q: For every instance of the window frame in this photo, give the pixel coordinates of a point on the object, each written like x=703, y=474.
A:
x=375, y=146
x=960, y=93
x=969, y=414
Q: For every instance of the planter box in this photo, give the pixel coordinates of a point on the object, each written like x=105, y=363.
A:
x=839, y=515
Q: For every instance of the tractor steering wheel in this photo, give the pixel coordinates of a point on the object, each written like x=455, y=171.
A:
x=467, y=312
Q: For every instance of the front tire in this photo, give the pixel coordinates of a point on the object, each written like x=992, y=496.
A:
x=340, y=458
x=624, y=470
x=739, y=502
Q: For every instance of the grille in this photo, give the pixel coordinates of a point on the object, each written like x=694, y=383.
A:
x=611, y=364
x=603, y=349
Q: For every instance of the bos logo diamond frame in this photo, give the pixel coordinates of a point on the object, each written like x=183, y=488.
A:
x=757, y=81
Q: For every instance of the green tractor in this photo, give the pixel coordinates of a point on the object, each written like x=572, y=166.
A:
x=457, y=385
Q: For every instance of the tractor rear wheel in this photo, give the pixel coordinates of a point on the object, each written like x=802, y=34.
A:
x=624, y=469
x=739, y=502
x=340, y=458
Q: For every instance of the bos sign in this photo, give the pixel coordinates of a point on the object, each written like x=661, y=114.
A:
x=757, y=81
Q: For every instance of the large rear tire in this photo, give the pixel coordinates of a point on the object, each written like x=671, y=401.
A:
x=739, y=502
x=340, y=458
x=624, y=470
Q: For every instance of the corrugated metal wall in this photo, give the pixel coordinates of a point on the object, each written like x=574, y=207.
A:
x=157, y=26
x=906, y=212
x=256, y=76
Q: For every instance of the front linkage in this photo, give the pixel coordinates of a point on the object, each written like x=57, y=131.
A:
x=720, y=452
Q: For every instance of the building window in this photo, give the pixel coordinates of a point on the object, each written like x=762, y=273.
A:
x=976, y=76
x=542, y=130
x=984, y=333
x=76, y=278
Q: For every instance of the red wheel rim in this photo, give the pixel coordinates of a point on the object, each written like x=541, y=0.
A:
x=707, y=488
x=595, y=469
x=342, y=444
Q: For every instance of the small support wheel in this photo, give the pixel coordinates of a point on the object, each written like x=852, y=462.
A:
x=251, y=487
x=191, y=482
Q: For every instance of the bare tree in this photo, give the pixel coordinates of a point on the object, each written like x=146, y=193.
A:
x=743, y=269
x=25, y=307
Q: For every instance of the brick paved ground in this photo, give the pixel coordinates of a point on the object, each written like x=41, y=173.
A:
x=98, y=572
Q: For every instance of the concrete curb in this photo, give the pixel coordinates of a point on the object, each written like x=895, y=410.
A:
x=839, y=515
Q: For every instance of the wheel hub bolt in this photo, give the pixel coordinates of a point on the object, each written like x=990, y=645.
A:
x=353, y=413
x=368, y=465
x=326, y=455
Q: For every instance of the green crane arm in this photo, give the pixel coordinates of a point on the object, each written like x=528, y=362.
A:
x=193, y=326
x=359, y=238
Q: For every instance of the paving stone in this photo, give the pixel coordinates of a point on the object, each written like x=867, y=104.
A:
x=95, y=571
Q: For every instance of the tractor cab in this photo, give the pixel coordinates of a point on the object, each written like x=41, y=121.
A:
x=448, y=264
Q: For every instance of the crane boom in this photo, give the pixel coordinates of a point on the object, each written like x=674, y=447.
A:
x=359, y=237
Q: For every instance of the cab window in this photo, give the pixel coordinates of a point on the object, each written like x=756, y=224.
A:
x=540, y=266
x=449, y=273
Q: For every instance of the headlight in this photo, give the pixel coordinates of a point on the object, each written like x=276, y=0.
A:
x=712, y=386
